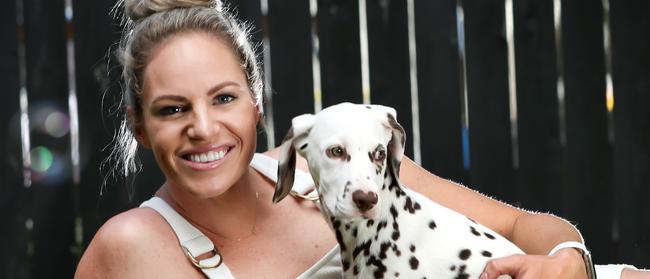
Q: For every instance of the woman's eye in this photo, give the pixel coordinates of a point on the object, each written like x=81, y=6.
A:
x=224, y=99
x=170, y=110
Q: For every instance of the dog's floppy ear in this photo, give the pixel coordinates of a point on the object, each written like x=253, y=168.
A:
x=297, y=136
x=396, y=144
x=398, y=138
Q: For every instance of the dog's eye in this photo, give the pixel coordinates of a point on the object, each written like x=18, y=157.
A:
x=380, y=155
x=335, y=152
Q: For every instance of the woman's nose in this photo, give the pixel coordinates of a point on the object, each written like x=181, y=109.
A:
x=202, y=125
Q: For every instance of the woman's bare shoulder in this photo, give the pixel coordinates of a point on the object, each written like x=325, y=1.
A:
x=128, y=245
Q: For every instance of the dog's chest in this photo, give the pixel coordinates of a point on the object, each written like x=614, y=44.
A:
x=418, y=240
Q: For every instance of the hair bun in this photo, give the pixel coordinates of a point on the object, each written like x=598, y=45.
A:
x=139, y=9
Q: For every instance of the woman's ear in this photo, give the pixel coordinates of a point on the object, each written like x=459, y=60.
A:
x=136, y=127
x=259, y=115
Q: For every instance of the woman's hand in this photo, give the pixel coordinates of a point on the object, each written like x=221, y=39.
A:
x=565, y=263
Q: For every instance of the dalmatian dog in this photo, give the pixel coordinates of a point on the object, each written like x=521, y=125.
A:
x=384, y=230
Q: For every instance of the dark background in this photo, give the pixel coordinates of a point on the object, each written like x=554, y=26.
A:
x=571, y=156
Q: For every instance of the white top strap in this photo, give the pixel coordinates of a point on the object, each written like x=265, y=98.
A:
x=191, y=239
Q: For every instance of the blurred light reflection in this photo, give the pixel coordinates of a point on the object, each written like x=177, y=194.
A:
x=57, y=124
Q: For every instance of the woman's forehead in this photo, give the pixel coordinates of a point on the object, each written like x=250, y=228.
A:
x=192, y=62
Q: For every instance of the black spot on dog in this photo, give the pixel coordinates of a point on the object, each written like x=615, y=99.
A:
x=452, y=268
x=465, y=254
x=370, y=223
x=396, y=250
x=346, y=265
x=355, y=270
x=368, y=107
x=412, y=248
x=380, y=226
x=381, y=268
x=461, y=273
x=486, y=254
x=339, y=239
x=395, y=235
x=346, y=188
x=410, y=206
x=432, y=225
x=347, y=226
x=474, y=231
x=364, y=247
x=488, y=235
x=414, y=262
x=354, y=232
x=396, y=274
x=383, y=248
x=393, y=211
x=302, y=147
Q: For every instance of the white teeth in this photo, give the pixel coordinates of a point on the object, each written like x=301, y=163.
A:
x=207, y=157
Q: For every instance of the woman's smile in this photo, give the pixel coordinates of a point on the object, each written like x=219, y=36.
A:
x=205, y=158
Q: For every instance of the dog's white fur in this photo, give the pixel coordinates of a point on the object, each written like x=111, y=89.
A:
x=404, y=234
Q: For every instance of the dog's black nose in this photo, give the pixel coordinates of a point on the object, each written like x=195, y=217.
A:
x=364, y=200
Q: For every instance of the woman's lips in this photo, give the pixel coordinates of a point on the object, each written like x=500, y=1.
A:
x=206, y=160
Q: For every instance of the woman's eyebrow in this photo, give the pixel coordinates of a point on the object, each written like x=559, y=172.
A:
x=221, y=85
x=168, y=97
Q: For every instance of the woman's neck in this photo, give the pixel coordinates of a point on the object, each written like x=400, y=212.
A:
x=231, y=216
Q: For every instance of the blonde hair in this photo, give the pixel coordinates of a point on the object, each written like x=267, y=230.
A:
x=146, y=24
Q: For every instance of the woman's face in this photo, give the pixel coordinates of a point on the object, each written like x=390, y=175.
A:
x=198, y=116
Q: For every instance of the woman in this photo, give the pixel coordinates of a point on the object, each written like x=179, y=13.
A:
x=193, y=96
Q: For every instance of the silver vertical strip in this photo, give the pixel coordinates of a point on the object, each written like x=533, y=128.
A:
x=268, y=92
x=460, y=31
x=512, y=82
x=24, y=102
x=609, y=93
x=557, y=19
x=413, y=75
x=315, y=56
x=363, y=38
